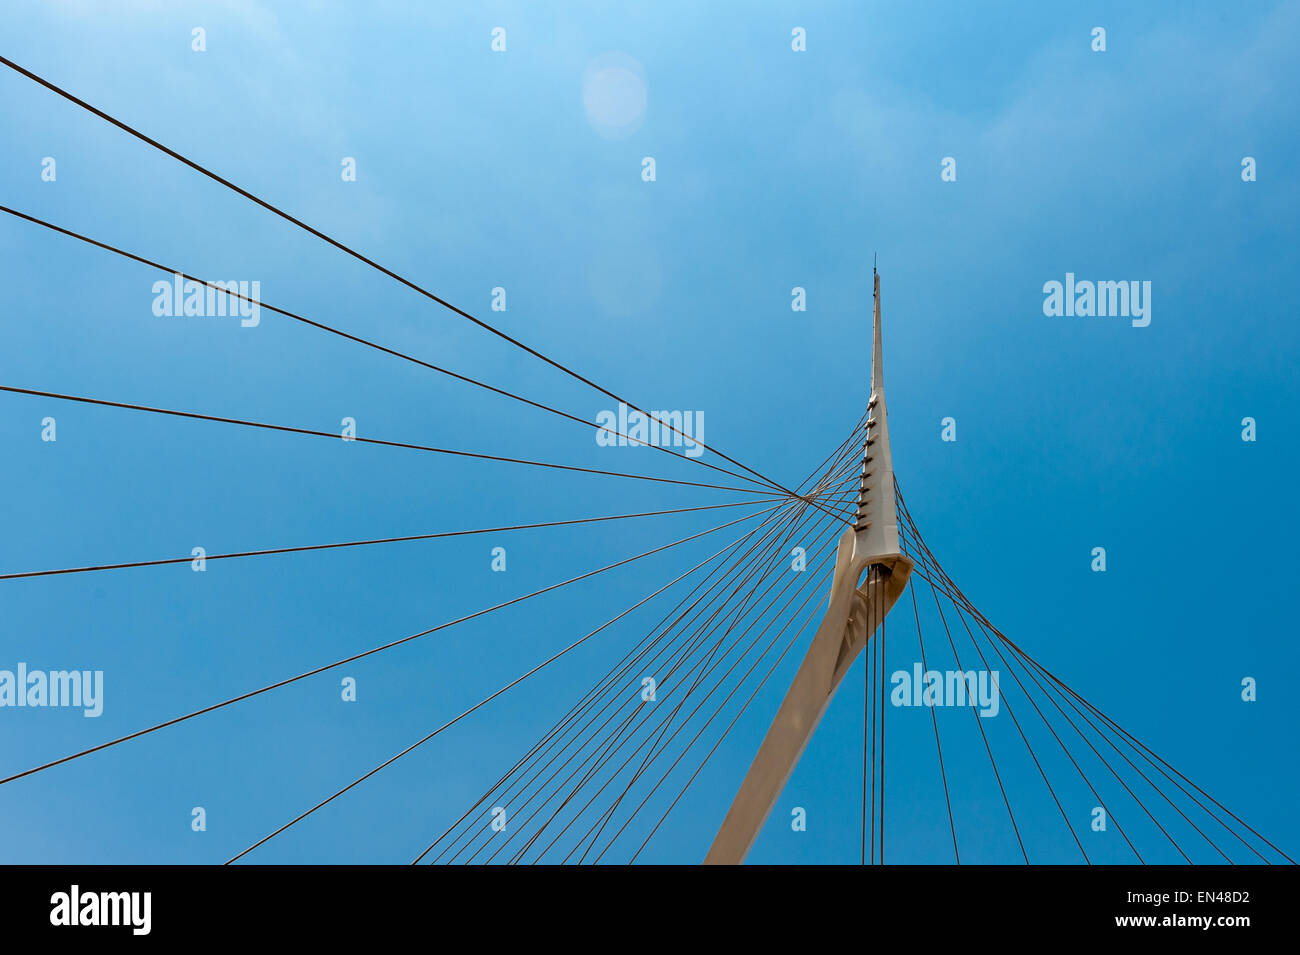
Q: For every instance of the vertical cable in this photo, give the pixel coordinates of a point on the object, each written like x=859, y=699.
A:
x=884, y=696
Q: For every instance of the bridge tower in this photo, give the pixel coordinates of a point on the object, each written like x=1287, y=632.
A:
x=855, y=610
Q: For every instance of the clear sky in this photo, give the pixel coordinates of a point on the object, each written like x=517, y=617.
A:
x=523, y=170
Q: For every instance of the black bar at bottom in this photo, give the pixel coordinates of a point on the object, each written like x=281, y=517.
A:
x=927, y=904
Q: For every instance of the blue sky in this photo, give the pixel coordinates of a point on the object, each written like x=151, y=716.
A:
x=775, y=169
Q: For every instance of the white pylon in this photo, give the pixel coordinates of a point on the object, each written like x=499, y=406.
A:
x=870, y=544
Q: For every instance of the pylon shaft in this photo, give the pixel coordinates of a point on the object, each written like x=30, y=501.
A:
x=872, y=542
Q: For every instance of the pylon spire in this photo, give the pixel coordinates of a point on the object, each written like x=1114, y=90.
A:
x=877, y=510
x=872, y=543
